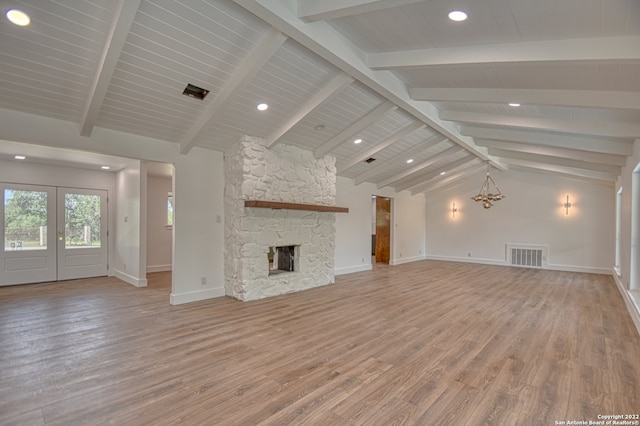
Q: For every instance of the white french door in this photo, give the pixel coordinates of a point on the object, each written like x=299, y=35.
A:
x=52, y=234
x=29, y=248
x=81, y=233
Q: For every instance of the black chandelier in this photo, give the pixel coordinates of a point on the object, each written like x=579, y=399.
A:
x=486, y=196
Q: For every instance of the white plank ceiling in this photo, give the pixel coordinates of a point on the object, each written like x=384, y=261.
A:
x=398, y=74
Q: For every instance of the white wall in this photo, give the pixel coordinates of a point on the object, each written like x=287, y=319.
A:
x=353, y=229
x=625, y=182
x=624, y=280
x=531, y=213
x=128, y=262
x=198, y=238
x=409, y=227
x=159, y=236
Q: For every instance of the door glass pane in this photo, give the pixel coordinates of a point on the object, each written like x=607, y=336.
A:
x=25, y=220
x=82, y=220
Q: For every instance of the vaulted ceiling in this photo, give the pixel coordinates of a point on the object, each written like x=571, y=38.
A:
x=397, y=74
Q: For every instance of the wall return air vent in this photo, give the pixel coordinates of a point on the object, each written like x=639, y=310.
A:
x=527, y=255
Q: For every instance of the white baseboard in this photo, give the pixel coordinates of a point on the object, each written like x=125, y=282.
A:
x=406, y=260
x=631, y=306
x=502, y=262
x=498, y=262
x=136, y=282
x=159, y=268
x=585, y=269
x=195, y=296
x=352, y=269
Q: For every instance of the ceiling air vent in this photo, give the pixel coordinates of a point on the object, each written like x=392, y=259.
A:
x=195, y=92
x=370, y=160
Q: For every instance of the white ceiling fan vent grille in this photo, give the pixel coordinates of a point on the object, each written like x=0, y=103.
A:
x=527, y=255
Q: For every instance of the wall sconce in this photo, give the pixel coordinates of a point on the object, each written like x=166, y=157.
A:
x=567, y=206
x=454, y=209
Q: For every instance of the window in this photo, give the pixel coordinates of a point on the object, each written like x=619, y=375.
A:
x=25, y=220
x=170, y=209
x=616, y=265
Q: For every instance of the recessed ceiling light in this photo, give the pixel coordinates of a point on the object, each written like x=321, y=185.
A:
x=514, y=104
x=262, y=106
x=105, y=167
x=457, y=15
x=18, y=17
x=19, y=157
x=319, y=127
x=357, y=141
x=410, y=160
x=443, y=173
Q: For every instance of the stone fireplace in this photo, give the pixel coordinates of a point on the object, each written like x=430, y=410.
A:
x=256, y=238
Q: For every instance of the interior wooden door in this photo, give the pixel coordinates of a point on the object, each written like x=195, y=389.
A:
x=383, y=229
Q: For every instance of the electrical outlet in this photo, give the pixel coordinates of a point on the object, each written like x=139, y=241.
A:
x=203, y=280
x=469, y=254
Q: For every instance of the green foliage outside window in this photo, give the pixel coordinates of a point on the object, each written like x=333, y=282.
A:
x=170, y=209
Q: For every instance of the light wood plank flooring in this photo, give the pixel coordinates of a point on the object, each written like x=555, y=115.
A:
x=425, y=343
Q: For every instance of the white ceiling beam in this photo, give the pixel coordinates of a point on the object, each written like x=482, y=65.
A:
x=569, y=98
x=546, y=159
x=365, y=121
x=329, y=44
x=398, y=159
x=397, y=136
x=423, y=165
x=589, y=50
x=584, y=143
x=320, y=97
x=600, y=128
x=314, y=10
x=471, y=169
x=120, y=26
x=566, y=171
x=241, y=77
x=422, y=180
x=590, y=157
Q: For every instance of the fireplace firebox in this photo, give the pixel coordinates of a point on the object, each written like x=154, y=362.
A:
x=282, y=259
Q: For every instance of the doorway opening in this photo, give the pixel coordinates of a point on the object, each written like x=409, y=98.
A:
x=159, y=225
x=381, y=229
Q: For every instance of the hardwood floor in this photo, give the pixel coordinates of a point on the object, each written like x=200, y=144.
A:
x=424, y=343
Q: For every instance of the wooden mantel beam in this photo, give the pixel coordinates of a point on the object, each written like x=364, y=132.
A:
x=294, y=206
